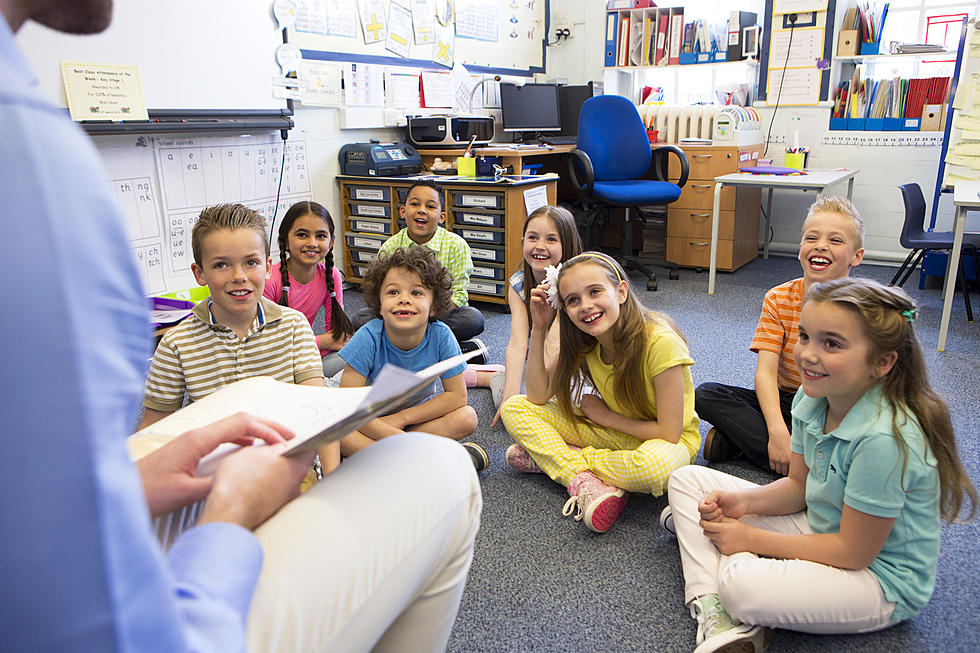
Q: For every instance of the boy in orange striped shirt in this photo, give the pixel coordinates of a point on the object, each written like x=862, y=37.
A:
x=756, y=422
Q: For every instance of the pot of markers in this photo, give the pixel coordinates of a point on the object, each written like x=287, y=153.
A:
x=796, y=156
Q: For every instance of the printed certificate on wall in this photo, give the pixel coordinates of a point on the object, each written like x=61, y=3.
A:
x=99, y=91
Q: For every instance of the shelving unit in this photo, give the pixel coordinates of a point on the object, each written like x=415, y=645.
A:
x=697, y=84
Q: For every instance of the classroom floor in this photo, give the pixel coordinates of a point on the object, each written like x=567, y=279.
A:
x=543, y=582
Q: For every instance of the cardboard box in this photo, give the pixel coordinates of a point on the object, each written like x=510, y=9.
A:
x=931, y=118
x=848, y=43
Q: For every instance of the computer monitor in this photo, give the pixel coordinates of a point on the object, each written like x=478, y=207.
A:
x=570, y=100
x=530, y=108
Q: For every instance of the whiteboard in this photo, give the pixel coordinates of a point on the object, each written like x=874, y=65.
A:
x=192, y=54
x=503, y=37
x=162, y=183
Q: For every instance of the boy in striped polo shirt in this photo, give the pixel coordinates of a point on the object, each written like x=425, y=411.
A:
x=236, y=333
x=756, y=422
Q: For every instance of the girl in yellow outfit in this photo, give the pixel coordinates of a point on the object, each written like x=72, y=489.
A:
x=636, y=427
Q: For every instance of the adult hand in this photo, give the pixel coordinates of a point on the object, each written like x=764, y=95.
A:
x=729, y=535
x=779, y=451
x=168, y=473
x=720, y=504
x=542, y=313
x=594, y=407
x=252, y=484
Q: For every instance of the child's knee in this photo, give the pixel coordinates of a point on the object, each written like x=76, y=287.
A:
x=514, y=405
x=740, y=589
x=466, y=421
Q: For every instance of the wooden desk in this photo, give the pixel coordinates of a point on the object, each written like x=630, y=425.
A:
x=488, y=214
x=817, y=180
x=966, y=198
x=509, y=156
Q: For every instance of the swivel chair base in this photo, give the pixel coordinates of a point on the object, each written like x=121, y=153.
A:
x=631, y=262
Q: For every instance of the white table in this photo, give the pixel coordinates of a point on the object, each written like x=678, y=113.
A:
x=966, y=197
x=817, y=180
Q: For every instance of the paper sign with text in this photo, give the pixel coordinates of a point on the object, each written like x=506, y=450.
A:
x=101, y=91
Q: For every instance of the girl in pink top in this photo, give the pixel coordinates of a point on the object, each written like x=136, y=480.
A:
x=307, y=278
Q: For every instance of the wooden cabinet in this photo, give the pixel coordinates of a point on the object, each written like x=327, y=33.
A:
x=689, y=218
x=488, y=215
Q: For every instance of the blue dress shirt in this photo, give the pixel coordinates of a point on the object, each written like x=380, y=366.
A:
x=82, y=570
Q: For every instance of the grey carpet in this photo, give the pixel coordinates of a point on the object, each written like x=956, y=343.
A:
x=542, y=582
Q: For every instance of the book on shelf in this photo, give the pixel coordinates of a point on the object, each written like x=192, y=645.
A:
x=612, y=28
x=317, y=415
x=663, y=20
x=675, y=39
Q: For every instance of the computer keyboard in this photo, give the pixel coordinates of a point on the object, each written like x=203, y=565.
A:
x=560, y=140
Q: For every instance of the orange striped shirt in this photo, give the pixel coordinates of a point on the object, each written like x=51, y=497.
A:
x=779, y=329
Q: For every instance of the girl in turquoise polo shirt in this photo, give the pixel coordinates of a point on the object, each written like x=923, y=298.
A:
x=848, y=543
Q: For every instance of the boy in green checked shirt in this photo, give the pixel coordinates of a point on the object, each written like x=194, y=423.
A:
x=423, y=214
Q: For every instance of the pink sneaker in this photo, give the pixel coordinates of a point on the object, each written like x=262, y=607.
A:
x=518, y=458
x=598, y=504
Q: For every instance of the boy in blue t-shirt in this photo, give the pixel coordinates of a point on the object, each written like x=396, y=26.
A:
x=407, y=291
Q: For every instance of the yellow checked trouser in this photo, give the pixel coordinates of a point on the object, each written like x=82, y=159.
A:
x=618, y=459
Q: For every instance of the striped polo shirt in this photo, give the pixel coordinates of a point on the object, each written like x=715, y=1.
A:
x=199, y=356
x=779, y=329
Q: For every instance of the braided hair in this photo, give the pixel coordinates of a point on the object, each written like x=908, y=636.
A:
x=340, y=324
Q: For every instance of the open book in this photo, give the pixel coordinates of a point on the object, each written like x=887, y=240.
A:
x=316, y=415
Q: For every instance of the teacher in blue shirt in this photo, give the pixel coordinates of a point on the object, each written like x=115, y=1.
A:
x=375, y=555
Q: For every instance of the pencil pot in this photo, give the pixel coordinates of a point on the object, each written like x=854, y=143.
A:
x=871, y=48
x=795, y=160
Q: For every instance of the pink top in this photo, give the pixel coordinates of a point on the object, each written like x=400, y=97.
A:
x=307, y=298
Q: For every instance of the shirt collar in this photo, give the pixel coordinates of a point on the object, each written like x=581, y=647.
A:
x=813, y=412
x=11, y=57
x=266, y=311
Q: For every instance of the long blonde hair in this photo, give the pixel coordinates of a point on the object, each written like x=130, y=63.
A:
x=886, y=314
x=629, y=359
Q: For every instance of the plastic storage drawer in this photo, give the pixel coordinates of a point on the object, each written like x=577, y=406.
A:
x=369, y=210
x=363, y=255
x=486, y=287
x=487, y=253
x=371, y=226
x=370, y=193
x=365, y=241
x=469, y=218
x=476, y=199
x=486, y=271
x=481, y=235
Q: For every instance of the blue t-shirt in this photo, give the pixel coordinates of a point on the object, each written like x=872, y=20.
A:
x=369, y=350
x=860, y=464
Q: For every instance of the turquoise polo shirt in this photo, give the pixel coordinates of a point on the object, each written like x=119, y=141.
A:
x=860, y=463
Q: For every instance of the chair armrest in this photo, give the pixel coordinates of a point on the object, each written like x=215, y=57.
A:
x=580, y=163
x=661, y=156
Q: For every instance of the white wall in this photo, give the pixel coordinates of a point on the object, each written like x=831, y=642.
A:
x=883, y=168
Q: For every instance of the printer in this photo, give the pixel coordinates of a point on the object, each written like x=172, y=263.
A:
x=449, y=131
x=377, y=159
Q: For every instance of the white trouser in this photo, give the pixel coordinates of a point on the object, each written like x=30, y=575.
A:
x=794, y=594
x=374, y=556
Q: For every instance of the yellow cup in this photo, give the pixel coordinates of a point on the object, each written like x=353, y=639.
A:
x=466, y=167
x=795, y=160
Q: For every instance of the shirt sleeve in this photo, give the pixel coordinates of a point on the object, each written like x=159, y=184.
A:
x=769, y=333
x=165, y=383
x=360, y=350
x=215, y=568
x=306, y=356
x=461, y=267
x=666, y=351
x=874, y=477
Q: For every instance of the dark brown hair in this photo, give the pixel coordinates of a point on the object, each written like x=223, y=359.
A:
x=420, y=260
x=340, y=324
x=571, y=244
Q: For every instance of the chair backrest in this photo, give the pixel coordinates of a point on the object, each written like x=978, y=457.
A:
x=915, y=215
x=611, y=132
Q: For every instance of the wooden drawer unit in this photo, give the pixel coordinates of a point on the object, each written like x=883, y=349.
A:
x=490, y=216
x=689, y=218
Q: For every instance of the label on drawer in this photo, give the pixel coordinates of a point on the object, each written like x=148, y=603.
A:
x=487, y=272
x=486, y=288
x=478, y=200
x=369, y=194
x=476, y=234
x=370, y=243
x=477, y=218
x=367, y=209
x=486, y=254
x=367, y=225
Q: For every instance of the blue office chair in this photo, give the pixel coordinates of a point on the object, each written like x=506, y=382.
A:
x=612, y=167
x=916, y=238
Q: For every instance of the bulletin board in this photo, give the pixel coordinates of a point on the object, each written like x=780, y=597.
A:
x=806, y=56
x=500, y=37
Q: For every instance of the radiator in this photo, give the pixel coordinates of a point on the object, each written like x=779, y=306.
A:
x=674, y=121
